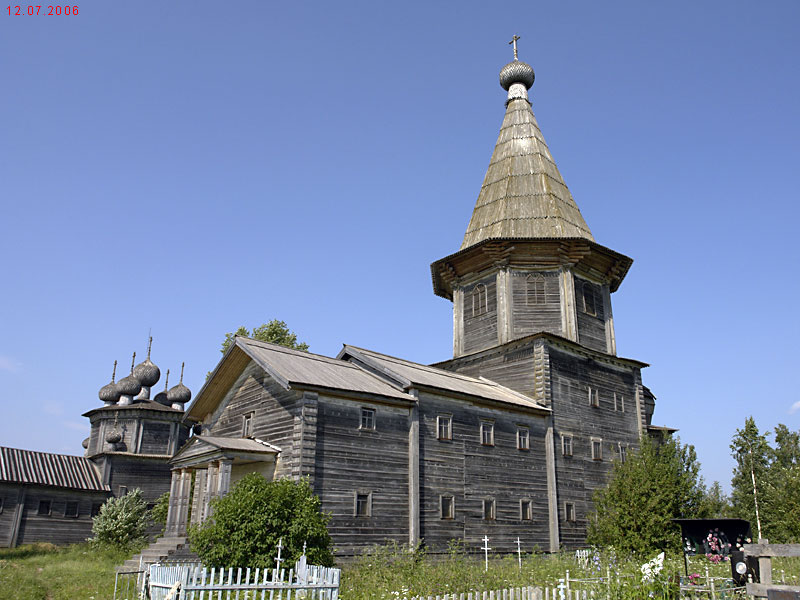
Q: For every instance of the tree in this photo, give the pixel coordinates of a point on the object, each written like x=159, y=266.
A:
x=247, y=523
x=122, y=521
x=659, y=482
x=159, y=512
x=275, y=332
x=749, y=483
x=715, y=503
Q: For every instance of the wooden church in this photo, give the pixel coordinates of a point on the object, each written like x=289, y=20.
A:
x=509, y=438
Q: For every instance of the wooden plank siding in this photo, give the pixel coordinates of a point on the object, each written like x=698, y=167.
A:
x=55, y=528
x=580, y=475
x=471, y=472
x=480, y=330
x=352, y=460
x=591, y=328
x=534, y=312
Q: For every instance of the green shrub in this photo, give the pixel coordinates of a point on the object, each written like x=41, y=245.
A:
x=247, y=523
x=122, y=522
x=158, y=514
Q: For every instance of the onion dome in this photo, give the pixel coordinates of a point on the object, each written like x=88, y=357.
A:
x=129, y=386
x=180, y=394
x=147, y=373
x=161, y=397
x=85, y=443
x=114, y=437
x=516, y=72
x=110, y=393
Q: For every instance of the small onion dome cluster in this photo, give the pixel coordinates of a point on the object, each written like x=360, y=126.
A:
x=516, y=72
x=179, y=395
x=109, y=393
x=147, y=373
x=114, y=436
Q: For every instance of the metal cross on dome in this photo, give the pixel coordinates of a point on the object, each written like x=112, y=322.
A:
x=513, y=42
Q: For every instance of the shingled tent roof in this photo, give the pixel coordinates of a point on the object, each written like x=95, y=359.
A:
x=523, y=194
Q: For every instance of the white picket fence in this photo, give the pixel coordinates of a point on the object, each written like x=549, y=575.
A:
x=195, y=582
x=516, y=593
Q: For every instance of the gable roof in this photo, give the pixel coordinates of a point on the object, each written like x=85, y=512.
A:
x=43, y=468
x=410, y=374
x=523, y=194
x=292, y=369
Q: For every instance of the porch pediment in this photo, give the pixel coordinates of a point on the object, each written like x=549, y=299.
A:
x=202, y=449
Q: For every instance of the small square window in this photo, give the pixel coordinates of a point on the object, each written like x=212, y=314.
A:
x=448, y=507
x=525, y=510
x=523, y=439
x=623, y=453
x=368, y=419
x=96, y=508
x=44, y=508
x=594, y=397
x=71, y=509
x=487, y=433
x=566, y=445
x=488, y=509
x=123, y=489
x=444, y=427
x=247, y=425
x=363, y=505
x=569, y=511
x=597, y=449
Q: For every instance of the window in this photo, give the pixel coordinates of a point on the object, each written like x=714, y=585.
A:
x=487, y=433
x=44, y=508
x=444, y=427
x=597, y=449
x=488, y=509
x=96, y=508
x=1, y=505
x=523, y=439
x=535, y=289
x=480, y=303
x=569, y=511
x=566, y=445
x=247, y=425
x=123, y=489
x=368, y=418
x=363, y=504
x=619, y=402
x=448, y=507
x=71, y=510
x=525, y=510
x=623, y=452
x=589, y=306
x=594, y=397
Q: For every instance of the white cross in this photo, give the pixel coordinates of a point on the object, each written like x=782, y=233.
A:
x=562, y=586
x=279, y=560
x=304, y=548
x=486, y=552
x=519, y=552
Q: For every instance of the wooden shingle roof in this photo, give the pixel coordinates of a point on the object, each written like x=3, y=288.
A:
x=43, y=468
x=523, y=194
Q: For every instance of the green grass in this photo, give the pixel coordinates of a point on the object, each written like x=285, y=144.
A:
x=80, y=572
x=47, y=572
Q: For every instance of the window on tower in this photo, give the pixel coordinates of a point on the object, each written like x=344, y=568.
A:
x=535, y=289
x=480, y=300
x=589, y=300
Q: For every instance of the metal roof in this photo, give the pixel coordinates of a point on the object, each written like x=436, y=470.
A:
x=42, y=468
x=523, y=194
x=423, y=375
x=305, y=369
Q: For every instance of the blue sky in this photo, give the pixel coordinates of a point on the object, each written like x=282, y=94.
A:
x=192, y=167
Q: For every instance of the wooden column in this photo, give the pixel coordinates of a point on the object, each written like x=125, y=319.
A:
x=552, y=491
x=19, y=511
x=504, y=306
x=569, y=318
x=611, y=340
x=172, y=510
x=413, y=473
x=212, y=473
x=198, y=501
x=184, y=486
x=224, y=480
x=458, y=320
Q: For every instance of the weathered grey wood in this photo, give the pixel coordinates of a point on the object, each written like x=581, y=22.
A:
x=766, y=549
x=552, y=491
x=760, y=590
x=611, y=338
x=413, y=475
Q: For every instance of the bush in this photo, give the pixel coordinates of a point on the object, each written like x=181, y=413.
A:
x=158, y=514
x=122, y=521
x=247, y=523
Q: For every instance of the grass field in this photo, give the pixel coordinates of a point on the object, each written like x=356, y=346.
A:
x=79, y=572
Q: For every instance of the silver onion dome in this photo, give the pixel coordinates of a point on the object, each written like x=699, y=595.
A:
x=516, y=72
x=113, y=437
x=109, y=393
x=180, y=394
x=147, y=373
x=129, y=386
